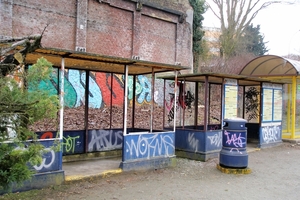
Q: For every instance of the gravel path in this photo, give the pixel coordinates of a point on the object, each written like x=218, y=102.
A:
x=274, y=176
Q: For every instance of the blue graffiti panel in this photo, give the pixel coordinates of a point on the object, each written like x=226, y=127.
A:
x=103, y=140
x=271, y=134
x=73, y=142
x=213, y=140
x=52, y=158
x=190, y=140
x=147, y=146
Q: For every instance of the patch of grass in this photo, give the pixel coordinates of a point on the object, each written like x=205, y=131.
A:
x=52, y=192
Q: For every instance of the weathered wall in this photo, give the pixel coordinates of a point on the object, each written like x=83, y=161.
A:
x=158, y=31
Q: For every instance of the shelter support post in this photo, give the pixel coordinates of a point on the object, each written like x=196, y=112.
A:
x=61, y=99
x=294, y=93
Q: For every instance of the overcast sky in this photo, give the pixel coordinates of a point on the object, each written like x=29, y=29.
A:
x=280, y=24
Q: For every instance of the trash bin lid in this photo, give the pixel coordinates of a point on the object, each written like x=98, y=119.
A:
x=235, y=119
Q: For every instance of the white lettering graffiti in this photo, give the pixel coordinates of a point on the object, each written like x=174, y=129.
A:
x=103, y=140
x=270, y=133
x=216, y=139
x=235, y=149
x=237, y=141
x=45, y=163
x=144, y=145
x=193, y=142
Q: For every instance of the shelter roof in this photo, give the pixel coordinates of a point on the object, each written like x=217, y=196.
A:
x=96, y=62
x=218, y=78
x=271, y=65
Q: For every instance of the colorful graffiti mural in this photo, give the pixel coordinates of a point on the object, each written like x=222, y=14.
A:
x=104, y=88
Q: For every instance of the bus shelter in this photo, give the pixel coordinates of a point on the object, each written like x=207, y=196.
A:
x=206, y=100
x=96, y=131
x=286, y=70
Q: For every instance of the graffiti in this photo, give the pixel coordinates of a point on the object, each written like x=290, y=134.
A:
x=48, y=160
x=105, y=140
x=271, y=133
x=142, y=90
x=151, y=146
x=70, y=143
x=192, y=141
x=104, y=88
x=236, y=149
x=47, y=135
x=237, y=141
x=216, y=139
x=112, y=88
x=183, y=101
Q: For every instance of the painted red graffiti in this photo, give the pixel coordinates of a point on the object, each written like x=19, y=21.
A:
x=47, y=135
x=104, y=82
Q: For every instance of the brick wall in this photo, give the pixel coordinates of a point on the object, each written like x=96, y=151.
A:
x=158, y=31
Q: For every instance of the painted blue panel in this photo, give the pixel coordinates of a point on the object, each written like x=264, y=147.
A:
x=103, y=140
x=270, y=134
x=52, y=160
x=190, y=140
x=213, y=140
x=73, y=142
x=147, y=145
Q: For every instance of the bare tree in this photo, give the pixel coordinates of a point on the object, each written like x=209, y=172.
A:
x=235, y=16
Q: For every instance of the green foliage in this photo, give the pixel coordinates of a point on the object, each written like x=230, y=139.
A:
x=254, y=40
x=199, y=9
x=20, y=108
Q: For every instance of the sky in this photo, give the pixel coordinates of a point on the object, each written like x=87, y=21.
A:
x=280, y=25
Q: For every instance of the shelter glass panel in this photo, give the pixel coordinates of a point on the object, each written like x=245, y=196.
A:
x=252, y=104
x=189, y=104
x=99, y=101
x=286, y=109
x=297, y=124
x=201, y=103
x=215, y=105
x=169, y=103
x=142, y=100
x=117, y=99
x=158, y=104
x=52, y=87
x=74, y=99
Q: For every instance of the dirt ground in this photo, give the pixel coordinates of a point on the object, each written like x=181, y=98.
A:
x=274, y=176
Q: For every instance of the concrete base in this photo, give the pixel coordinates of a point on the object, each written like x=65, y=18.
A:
x=93, y=155
x=293, y=141
x=233, y=171
x=266, y=145
x=197, y=155
x=39, y=181
x=147, y=164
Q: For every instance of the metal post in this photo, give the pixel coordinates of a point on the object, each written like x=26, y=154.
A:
x=175, y=100
x=125, y=100
x=294, y=98
x=206, y=104
x=152, y=101
x=61, y=99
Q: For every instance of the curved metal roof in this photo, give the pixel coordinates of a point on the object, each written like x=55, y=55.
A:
x=271, y=65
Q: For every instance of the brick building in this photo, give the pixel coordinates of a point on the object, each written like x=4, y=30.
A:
x=153, y=30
